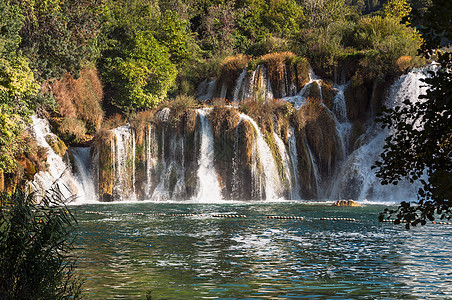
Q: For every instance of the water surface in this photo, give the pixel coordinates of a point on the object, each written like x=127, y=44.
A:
x=126, y=251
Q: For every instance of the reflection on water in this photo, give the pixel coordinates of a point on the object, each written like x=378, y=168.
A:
x=123, y=255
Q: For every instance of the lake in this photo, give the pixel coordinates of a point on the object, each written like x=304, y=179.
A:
x=186, y=251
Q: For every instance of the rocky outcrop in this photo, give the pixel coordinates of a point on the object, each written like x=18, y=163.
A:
x=346, y=203
x=102, y=153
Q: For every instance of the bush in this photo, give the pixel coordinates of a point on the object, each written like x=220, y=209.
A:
x=35, y=245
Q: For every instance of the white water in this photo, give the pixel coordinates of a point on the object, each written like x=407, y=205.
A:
x=294, y=161
x=356, y=178
x=166, y=171
x=58, y=171
x=240, y=87
x=286, y=163
x=271, y=180
x=299, y=99
x=209, y=187
x=124, y=185
x=84, y=175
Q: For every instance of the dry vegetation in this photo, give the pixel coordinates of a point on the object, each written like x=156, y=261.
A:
x=79, y=103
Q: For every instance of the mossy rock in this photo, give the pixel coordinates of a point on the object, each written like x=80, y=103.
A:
x=102, y=148
x=346, y=203
x=319, y=127
x=2, y=181
x=56, y=144
x=357, y=101
x=28, y=167
x=328, y=94
x=306, y=178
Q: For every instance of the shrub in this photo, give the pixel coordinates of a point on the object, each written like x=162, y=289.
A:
x=80, y=98
x=114, y=121
x=35, y=245
x=231, y=67
x=73, y=128
x=404, y=62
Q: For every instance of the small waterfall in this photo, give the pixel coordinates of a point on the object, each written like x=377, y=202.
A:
x=151, y=158
x=299, y=99
x=160, y=192
x=206, y=89
x=124, y=187
x=271, y=182
x=224, y=91
x=84, y=175
x=58, y=171
x=209, y=187
x=235, y=165
x=356, y=179
x=343, y=125
x=171, y=184
x=315, y=171
x=294, y=161
x=286, y=163
x=239, y=89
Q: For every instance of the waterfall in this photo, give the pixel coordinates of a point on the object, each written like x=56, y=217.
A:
x=124, y=150
x=356, y=179
x=315, y=171
x=206, y=89
x=240, y=87
x=270, y=180
x=84, y=175
x=235, y=164
x=151, y=159
x=58, y=171
x=295, y=194
x=171, y=184
x=209, y=187
x=299, y=99
x=286, y=163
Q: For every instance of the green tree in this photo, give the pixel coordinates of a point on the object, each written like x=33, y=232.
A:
x=136, y=61
x=397, y=9
x=59, y=35
x=421, y=145
x=174, y=36
x=36, y=241
x=142, y=75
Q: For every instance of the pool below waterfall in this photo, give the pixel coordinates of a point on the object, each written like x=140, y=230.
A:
x=198, y=251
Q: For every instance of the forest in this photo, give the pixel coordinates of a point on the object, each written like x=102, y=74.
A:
x=84, y=64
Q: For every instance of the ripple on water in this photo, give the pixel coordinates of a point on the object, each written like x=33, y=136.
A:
x=124, y=255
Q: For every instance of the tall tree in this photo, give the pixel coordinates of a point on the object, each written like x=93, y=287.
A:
x=421, y=145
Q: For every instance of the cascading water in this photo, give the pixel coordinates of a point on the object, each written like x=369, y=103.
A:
x=356, y=179
x=209, y=187
x=83, y=174
x=58, y=171
x=270, y=177
x=299, y=99
x=164, y=163
x=124, y=186
x=286, y=163
x=295, y=194
x=240, y=86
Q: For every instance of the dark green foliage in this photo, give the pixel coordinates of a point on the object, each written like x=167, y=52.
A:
x=421, y=145
x=35, y=248
x=59, y=36
x=10, y=24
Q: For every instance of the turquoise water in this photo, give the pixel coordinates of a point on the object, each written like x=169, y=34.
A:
x=124, y=255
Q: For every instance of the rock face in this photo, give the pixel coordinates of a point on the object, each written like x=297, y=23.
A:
x=346, y=203
x=319, y=147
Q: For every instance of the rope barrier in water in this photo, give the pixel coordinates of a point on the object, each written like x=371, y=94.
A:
x=272, y=217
